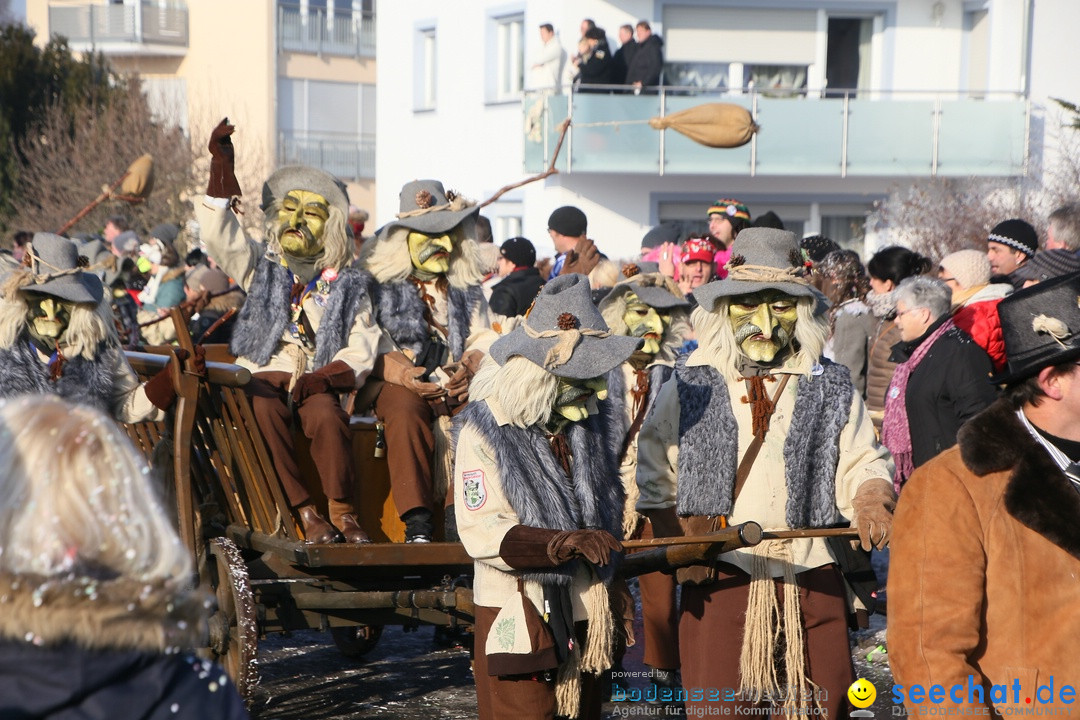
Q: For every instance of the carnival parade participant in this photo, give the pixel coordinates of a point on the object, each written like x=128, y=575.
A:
x=647, y=306
x=58, y=336
x=756, y=425
x=536, y=478
x=986, y=554
x=431, y=306
x=307, y=329
x=97, y=615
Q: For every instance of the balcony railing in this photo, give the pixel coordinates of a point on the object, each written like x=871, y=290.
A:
x=874, y=134
x=117, y=26
x=337, y=32
x=349, y=157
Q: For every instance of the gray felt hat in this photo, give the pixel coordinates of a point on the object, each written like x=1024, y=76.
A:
x=563, y=316
x=302, y=177
x=52, y=255
x=650, y=288
x=763, y=259
x=425, y=207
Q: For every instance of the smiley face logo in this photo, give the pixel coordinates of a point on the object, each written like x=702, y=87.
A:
x=862, y=693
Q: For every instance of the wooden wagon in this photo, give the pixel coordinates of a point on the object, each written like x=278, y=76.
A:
x=249, y=546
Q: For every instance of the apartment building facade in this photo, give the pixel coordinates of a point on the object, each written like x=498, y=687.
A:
x=297, y=77
x=853, y=98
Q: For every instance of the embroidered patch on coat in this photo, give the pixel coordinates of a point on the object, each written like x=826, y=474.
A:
x=472, y=483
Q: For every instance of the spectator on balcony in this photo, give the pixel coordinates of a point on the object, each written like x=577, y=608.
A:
x=1008, y=246
x=1063, y=230
x=595, y=66
x=648, y=62
x=546, y=70
x=624, y=55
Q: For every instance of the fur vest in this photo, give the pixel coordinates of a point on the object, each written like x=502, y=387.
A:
x=538, y=489
x=708, y=444
x=88, y=382
x=401, y=313
x=265, y=315
x=619, y=396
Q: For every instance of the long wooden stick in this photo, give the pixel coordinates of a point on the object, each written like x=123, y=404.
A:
x=765, y=535
x=563, y=127
x=94, y=203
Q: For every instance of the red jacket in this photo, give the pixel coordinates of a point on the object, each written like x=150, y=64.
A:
x=980, y=321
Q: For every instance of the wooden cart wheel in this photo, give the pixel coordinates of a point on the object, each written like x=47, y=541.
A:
x=356, y=641
x=234, y=629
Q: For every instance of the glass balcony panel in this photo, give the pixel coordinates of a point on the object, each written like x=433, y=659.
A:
x=543, y=113
x=982, y=138
x=632, y=146
x=799, y=137
x=346, y=157
x=339, y=32
x=683, y=155
x=893, y=137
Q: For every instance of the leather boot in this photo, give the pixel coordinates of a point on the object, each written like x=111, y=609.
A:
x=343, y=514
x=316, y=529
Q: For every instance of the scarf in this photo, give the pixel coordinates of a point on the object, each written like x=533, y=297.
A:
x=882, y=304
x=895, y=430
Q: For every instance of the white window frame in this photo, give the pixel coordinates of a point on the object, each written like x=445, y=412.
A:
x=505, y=54
x=425, y=66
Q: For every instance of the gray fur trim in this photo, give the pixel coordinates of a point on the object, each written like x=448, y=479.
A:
x=265, y=315
x=401, y=314
x=539, y=491
x=83, y=381
x=708, y=444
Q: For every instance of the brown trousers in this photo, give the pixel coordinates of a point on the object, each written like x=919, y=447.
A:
x=410, y=446
x=659, y=615
x=711, y=631
x=322, y=421
x=523, y=697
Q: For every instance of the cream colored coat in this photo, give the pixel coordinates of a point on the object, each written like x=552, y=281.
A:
x=764, y=496
x=238, y=255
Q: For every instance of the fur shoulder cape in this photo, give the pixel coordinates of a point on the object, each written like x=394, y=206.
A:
x=708, y=444
x=538, y=489
x=265, y=315
x=1037, y=493
x=401, y=314
x=88, y=382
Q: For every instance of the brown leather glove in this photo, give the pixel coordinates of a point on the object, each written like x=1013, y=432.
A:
x=874, y=503
x=595, y=546
x=457, y=386
x=582, y=259
x=395, y=368
x=333, y=377
x=222, y=182
x=160, y=390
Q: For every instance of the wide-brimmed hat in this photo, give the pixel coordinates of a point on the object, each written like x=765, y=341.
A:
x=426, y=207
x=763, y=259
x=565, y=334
x=1041, y=327
x=55, y=270
x=654, y=289
x=303, y=177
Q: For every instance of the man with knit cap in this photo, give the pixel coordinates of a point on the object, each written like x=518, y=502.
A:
x=575, y=253
x=306, y=331
x=975, y=299
x=651, y=307
x=541, y=509
x=756, y=425
x=431, y=307
x=1008, y=246
x=521, y=281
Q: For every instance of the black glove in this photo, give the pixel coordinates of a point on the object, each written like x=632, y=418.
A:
x=222, y=182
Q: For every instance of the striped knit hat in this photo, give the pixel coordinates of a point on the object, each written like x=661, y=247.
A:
x=1017, y=234
x=731, y=208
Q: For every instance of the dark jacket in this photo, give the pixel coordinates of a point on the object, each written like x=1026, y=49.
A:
x=514, y=293
x=647, y=63
x=621, y=62
x=597, y=68
x=949, y=386
x=69, y=682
